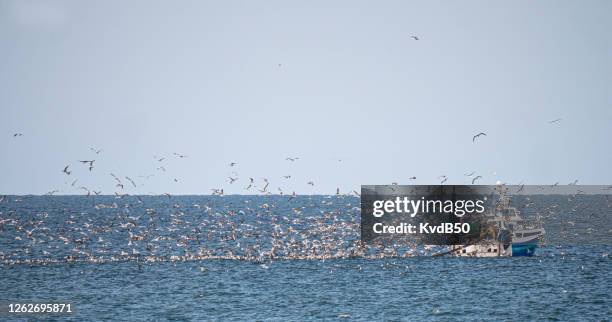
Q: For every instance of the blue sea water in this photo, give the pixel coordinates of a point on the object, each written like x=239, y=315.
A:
x=98, y=267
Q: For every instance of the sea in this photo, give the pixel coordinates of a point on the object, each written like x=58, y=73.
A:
x=285, y=258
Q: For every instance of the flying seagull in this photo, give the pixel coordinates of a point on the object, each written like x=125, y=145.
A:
x=96, y=151
x=90, y=162
x=265, y=187
x=414, y=37
x=292, y=159
x=476, y=178
x=131, y=181
x=555, y=121
x=66, y=171
x=17, y=134
x=478, y=135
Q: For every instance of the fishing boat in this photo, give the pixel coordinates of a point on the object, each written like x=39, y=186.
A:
x=513, y=235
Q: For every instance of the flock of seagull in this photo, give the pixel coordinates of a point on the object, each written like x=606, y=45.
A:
x=150, y=229
x=233, y=178
x=147, y=229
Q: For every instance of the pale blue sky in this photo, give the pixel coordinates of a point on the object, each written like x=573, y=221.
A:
x=202, y=78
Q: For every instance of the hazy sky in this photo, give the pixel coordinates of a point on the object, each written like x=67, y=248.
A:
x=202, y=78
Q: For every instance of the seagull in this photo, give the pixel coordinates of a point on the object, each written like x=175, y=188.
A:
x=554, y=185
x=470, y=174
x=264, y=188
x=292, y=159
x=555, y=121
x=119, y=183
x=521, y=188
x=414, y=37
x=573, y=183
x=476, y=178
x=357, y=193
x=74, y=182
x=292, y=196
x=412, y=178
x=232, y=164
x=310, y=183
x=50, y=193
x=478, y=135
x=287, y=177
x=231, y=180
x=17, y=134
x=91, y=162
x=86, y=190
x=162, y=169
x=96, y=151
x=444, y=178
x=66, y=171
x=132, y=181
x=180, y=155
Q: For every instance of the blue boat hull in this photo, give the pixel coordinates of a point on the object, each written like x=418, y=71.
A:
x=523, y=250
